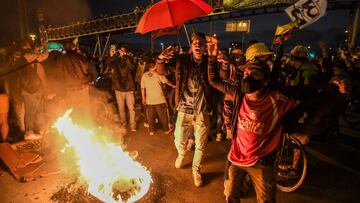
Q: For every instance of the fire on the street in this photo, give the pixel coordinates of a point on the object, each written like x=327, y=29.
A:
x=110, y=173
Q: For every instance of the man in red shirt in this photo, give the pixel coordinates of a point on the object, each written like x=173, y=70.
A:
x=256, y=128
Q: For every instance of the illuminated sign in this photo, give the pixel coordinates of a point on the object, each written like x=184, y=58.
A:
x=238, y=26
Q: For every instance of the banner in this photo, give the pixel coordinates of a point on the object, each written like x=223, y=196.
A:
x=307, y=12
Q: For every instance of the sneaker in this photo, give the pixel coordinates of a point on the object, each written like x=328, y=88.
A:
x=228, y=134
x=218, y=137
x=146, y=125
x=197, y=179
x=179, y=162
x=151, y=133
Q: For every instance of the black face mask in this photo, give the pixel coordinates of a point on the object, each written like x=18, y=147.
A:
x=250, y=85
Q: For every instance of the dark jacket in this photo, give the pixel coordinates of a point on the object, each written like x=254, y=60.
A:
x=122, y=73
x=75, y=69
x=182, y=67
x=230, y=89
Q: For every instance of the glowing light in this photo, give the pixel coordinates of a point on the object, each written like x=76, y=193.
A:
x=32, y=37
x=109, y=172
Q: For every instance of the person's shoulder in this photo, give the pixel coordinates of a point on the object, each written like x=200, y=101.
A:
x=309, y=66
x=278, y=95
x=146, y=74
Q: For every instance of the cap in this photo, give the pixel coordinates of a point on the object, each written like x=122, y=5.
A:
x=257, y=50
x=260, y=65
x=299, y=51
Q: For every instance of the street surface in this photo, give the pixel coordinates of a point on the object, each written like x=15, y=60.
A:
x=333, y=174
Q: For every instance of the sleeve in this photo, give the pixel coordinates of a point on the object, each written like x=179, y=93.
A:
x=30, y=57
x=286, y=103
x=43, y=56
x=217, y=82
x=163, y=79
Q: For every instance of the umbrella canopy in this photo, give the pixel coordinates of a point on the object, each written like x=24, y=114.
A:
x=171, y=13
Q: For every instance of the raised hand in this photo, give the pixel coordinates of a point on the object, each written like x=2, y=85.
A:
x=212, y=46
x=167, y=54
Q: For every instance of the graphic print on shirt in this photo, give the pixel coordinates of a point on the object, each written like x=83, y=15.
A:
x=252, y=123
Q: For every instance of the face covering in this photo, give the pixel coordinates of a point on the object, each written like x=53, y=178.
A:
x=250, y=85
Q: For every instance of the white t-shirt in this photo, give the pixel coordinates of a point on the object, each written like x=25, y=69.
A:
x=151, y=81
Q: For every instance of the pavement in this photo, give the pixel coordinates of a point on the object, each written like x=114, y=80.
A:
x=333, y=174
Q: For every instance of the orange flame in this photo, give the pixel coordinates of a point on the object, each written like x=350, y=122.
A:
x=105, y=167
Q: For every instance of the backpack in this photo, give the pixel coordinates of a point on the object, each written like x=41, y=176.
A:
x=29, y=79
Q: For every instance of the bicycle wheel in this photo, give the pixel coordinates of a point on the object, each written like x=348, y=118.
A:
x=289, y=179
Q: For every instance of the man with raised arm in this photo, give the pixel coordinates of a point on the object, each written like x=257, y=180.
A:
x=193, y=101
x=256, y=127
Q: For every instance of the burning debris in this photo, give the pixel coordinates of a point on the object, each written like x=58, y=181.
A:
x=77, y=191
x=73, y=192
x=106, y=171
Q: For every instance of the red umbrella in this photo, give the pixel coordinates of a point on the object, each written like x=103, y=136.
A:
x=171, y=13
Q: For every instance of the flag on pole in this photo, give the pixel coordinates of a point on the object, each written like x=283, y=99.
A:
x=307, y=12
x=283, y=29
x=284, y=32
x=76, y=41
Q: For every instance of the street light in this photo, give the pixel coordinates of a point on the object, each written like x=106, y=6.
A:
x=32, y=37
x=162, y=46
x=242, y=26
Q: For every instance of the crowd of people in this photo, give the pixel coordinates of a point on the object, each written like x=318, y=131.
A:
x=255, y=90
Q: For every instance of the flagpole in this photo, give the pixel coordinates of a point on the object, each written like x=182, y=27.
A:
x=187, y=34
x=152, y=42
x=178, y=39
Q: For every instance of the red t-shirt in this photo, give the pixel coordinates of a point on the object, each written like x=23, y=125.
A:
x=259, y=128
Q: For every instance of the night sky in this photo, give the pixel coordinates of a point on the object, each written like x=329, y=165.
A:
x=330, y=28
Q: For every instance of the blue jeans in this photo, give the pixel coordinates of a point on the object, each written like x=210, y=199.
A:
x=200, y=125
x=127, y=98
